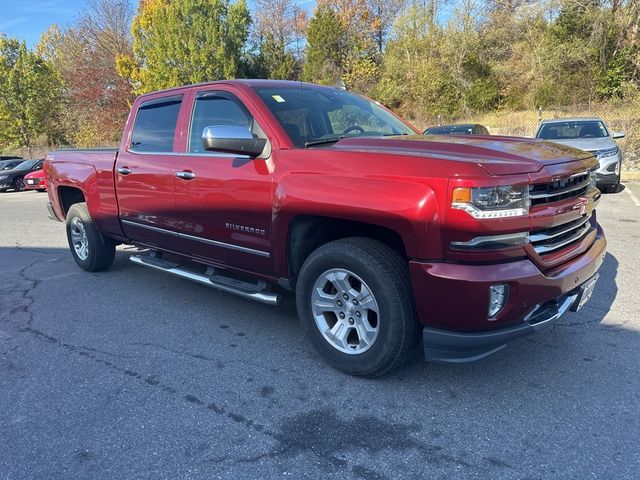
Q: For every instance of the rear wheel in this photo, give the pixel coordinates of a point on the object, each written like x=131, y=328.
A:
x=355, y=304
x=18, y=184
x=91, y=250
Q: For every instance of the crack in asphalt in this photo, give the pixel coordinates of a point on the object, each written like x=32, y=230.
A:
x=319, y=432
x=184, y=353
x=26, y=294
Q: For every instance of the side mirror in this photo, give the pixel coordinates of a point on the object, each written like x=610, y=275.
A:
x=232, y=139
x=618, y=135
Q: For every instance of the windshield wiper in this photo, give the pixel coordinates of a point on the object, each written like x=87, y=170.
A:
x=324, y=141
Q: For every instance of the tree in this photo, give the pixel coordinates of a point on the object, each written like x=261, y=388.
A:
x=277, y=32
x=29, y=97
x=96, y=99
x=325, y=47
x=274, y=61
x=185, y=41
x=384, y=13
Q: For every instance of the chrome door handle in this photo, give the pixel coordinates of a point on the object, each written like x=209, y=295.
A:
x=124, y=170
x=186, y=175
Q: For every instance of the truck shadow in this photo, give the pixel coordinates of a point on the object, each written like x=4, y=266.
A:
x=576, y=340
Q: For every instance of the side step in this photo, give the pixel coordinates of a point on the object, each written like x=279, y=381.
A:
x=225, y=284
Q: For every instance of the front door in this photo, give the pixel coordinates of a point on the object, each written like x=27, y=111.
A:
x=223, y=200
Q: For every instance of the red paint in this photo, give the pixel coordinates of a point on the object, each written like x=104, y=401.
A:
x=39, y=179
x=400, y=183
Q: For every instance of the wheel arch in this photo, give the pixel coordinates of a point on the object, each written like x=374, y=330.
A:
x=308, y=232
x=69, y=196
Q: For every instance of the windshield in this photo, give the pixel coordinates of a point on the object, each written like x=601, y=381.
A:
x=450, y=130
x=312, y=115
x=569, y=130
x=26, y=165
x=9, y=164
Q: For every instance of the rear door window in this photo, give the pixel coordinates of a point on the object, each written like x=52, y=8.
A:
x=155, y=125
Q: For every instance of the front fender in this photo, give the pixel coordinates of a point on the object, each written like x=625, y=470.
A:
x=409, y=208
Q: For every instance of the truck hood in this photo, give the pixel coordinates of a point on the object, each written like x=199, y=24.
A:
x=497, y=155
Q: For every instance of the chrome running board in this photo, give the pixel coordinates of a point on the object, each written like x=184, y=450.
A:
x=251, y=291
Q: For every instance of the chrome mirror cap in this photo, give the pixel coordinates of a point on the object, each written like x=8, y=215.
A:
x=234, y=139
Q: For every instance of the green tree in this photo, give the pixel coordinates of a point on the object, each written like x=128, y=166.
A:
x=185, y=41
x=30, y=95
x=276, y=35
x=325, y=47
x=274, y=61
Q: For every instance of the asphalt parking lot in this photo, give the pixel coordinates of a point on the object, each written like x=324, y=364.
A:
x=134, y=374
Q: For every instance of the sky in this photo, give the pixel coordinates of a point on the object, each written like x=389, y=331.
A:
x=28, y=19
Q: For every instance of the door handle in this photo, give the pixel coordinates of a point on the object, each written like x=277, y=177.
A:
x=186, y=175
x=124, y=170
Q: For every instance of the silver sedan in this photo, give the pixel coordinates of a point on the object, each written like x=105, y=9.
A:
x=592, y=135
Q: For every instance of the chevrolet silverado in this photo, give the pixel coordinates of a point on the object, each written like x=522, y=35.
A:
x=384, y=235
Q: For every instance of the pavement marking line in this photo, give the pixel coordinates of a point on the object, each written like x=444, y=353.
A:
x=634, y=199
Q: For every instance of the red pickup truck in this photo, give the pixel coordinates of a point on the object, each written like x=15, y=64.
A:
x=385, y=235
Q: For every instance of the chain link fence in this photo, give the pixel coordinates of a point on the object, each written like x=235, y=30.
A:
x=620, y=117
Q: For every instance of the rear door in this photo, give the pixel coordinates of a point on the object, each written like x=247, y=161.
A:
x=144, y=174
x=223, y=200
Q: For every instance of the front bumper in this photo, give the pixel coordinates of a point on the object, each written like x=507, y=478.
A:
x=452, y=301
x=458, y=347
x=608, y=172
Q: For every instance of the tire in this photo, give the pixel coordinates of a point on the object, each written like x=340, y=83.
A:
x=373, y=339
x=91, y=250
x=18, y=184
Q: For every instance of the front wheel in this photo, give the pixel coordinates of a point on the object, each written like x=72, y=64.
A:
x=355, y=303
x=91, y=250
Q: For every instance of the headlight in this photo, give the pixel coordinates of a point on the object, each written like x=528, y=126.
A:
x=4, y=177
x=608, y=153
x=492, y=202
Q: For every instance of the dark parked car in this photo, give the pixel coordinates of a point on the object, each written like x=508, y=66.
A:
x=9, y=157
x=14, y=178
x=9, y=164
x=460, y=129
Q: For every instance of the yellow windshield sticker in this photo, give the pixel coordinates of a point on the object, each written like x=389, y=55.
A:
x=278, y=98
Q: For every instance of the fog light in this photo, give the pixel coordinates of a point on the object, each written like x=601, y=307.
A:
x=498, y=295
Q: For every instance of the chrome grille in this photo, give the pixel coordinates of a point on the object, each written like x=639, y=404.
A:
x=554, y=238
x=560, y=189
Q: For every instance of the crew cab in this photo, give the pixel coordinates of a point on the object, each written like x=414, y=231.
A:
x=384, y=235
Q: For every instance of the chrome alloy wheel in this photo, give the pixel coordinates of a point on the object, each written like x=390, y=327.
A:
x=345, y=311
x=79, y=239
